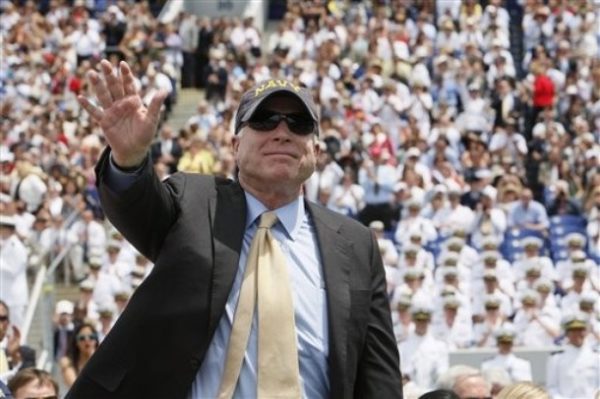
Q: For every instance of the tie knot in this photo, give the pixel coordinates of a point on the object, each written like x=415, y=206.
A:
x=267, y=220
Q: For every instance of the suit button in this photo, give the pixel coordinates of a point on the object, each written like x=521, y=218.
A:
x=195, y=364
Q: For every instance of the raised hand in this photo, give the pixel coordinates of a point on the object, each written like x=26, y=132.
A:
x=128, y=126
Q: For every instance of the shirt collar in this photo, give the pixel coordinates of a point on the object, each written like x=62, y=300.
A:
x=290, y=215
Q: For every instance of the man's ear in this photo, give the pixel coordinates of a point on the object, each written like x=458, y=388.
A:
x=235, y=143
x=318, y=147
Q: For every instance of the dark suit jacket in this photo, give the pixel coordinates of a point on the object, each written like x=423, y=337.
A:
x=496, y=105
x=192, y=227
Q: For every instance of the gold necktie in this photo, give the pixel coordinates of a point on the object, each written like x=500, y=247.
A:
x=4, y=367
x=267, y=284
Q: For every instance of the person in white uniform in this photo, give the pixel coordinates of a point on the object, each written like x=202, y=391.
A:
x=535, y=328
x=574, y=372
x=532, y=254
x=424, y=358
x=13, y=270
x=452, y=326
x=518, y=369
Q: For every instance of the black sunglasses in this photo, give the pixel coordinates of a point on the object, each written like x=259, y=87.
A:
x=83, y=337
x=3, y=318
x=43, y=397
x=297, y=123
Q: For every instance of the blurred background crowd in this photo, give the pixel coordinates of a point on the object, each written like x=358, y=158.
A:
x=465, y=134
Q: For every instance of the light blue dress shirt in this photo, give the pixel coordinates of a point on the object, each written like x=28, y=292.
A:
x=534, y=213
x=296, y=237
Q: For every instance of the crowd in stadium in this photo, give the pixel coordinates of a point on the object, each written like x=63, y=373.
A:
x=464, y=134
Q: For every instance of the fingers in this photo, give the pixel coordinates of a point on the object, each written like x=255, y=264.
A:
x=128, y=80
x=92, y=109
x=112, y=87
x=102, y=93
x=113, y=82
x=156, y=103
x=16, y=331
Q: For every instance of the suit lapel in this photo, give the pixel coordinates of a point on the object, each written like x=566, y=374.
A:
x=336, y=259
x=228, y=217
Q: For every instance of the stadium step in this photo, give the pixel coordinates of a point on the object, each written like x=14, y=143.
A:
x=45, y=311
x=187, y=102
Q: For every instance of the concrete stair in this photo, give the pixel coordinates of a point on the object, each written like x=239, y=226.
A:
x=45, y=310
x=187, y=102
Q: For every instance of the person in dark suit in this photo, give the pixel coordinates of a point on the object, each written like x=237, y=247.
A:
x=205, y=41
x=166, y=149
x=172, y=338
x=505, y=103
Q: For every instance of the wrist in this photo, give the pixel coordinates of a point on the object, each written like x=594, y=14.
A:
x=127, y=166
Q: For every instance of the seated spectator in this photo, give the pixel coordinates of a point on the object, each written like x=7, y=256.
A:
x=472, y=386
x=33, y=383
x=166, y=149
x=517, y=368
x=401, y=317
x=453, y=327
x=574, y=372
x=82, y=347
x=563, y=203
x=198, y=158
x=459, y=216
x=13, y=355
x=63, y=327
x=348, y=197
x=535, y=328
x=577, y=259
x=528, y=214
x=490, y=221
x=523, y=390
x=493, y=318
x=424, y=357
x=581, y=277
x=532, y=247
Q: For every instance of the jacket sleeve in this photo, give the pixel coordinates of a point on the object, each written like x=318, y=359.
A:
x=143, y=212
x=378, y=373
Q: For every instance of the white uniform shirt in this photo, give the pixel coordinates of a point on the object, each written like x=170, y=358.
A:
x=570, y=302
x=504, y=274
x=564, y=272
x=424, y=359
x=518, y=369
x=574, y=373
x=530, y=332
x=32, y=190
x=13, y=277
x=95, y=233
x=545, y=263
x=105, y=287
x=458, y=335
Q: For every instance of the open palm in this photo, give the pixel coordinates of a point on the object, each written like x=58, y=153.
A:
x=128, y=126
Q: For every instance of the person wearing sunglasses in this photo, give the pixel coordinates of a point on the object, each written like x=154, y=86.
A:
x=13, y=355
x=83, y=344
x=173, y=339
x=32, y=383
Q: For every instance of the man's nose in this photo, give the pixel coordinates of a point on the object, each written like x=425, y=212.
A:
x=282, y=130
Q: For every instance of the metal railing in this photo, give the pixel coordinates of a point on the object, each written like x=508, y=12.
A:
x=42, y=295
